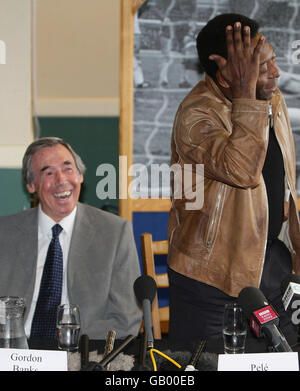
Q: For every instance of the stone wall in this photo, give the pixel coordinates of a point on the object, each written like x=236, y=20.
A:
x=166, y=65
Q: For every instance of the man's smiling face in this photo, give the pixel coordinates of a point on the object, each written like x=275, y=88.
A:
x=56, y=180
x=268, y=72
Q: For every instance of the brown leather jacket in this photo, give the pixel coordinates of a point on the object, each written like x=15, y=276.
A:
x=223, y=243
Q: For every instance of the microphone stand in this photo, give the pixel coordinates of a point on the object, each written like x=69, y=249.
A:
x=141, y=366
x=94, y=366
x=195, y=356
x=84, y=351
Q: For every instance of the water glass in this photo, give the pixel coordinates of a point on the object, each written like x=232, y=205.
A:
x=234, y=329
x=12, y=332
x=68, y=327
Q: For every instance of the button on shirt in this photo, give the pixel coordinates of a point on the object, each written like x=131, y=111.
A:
x=45, y=224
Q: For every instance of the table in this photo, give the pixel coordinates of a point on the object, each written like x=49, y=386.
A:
x=180, y=351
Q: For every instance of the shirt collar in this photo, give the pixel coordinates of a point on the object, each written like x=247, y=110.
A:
x=46, y=223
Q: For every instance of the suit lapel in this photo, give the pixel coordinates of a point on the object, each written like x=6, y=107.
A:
x=82, y=236
x=27, y=244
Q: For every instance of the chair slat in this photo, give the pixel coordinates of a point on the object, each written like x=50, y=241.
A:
x=160, y=316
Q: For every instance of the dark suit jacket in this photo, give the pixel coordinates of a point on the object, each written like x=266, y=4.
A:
x=102, y=267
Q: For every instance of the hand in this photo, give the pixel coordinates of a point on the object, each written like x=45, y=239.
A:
x=241, y=69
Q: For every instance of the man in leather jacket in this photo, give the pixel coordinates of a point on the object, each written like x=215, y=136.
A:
x=235, y=123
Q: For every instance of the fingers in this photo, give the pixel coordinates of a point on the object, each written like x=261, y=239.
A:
x=237, y=37
x=221, y=61
x=257, y=49
x=247, y=39
x=229, y=42
x=236, y=43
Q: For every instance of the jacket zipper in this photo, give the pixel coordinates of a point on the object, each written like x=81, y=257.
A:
x=266, y=237
x=213, y=221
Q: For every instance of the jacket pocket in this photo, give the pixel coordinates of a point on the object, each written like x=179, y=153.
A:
x=215, y=218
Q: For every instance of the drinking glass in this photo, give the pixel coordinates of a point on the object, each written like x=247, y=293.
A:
x=12, y=333
x=234, y=329
x=68, y=327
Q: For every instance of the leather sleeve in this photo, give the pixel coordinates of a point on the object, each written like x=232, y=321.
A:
x=231, y=145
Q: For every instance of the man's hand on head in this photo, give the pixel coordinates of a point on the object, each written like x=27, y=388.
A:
x=240, y=70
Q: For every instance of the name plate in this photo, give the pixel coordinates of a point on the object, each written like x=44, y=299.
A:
x=254, y=362
x=33, y=360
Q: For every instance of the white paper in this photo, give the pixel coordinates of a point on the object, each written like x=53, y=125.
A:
x=33, y=360
x=254, y=362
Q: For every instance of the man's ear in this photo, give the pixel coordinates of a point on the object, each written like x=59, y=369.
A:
x=31, y=188
x=221, y=80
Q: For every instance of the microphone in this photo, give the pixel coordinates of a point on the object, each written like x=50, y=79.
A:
x=290, y=289
x=145, y=291
x=107, y=359
x=191, y=366
x=84, y=350
x=263, y=318
x=109, y=344
x=100, y=366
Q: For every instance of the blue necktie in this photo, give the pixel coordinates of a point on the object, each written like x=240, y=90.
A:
x=44, y=320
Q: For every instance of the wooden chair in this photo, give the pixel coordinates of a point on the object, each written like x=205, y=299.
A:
x=160, y=316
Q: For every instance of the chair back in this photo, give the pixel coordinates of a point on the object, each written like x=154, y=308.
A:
x=150, y=248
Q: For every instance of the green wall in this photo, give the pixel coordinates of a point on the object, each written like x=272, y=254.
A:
x=95, y=139
x=13, y=195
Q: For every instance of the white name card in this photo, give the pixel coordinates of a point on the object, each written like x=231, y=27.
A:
x=254, y=362
x=33, y=360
